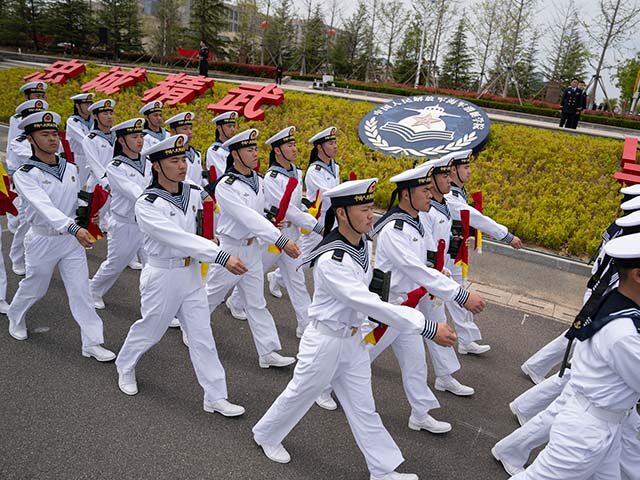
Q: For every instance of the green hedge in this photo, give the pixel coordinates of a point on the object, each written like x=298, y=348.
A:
x=553, y=189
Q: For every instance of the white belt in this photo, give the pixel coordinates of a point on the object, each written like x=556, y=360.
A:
x=343, y=333
x=227, y=240
x=609, y=416
x=170, y=262
x=46, y=231
x=123, y=218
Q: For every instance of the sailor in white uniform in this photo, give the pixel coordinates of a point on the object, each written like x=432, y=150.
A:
x=98, y=144
x=49, y=186
x=78, y=126
x=182, y=124
x=437, y=223
x=226, y=124
x=585, y=439
x=154, y=131
x=466, y=328
x=401, y=249
x=332, y=352
x=171, y=283
x=540, y=363
x=128, y=174
x=19, y=152
x=243, y=231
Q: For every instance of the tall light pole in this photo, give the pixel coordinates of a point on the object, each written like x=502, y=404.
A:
x=421, y=54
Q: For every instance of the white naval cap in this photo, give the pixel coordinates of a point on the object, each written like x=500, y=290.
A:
x=100, y=106
x=244, y=139
x=353, y=192
x=414, y=177
x=285, y=135
x=631, y=190
x=324, y=136
x=128, y=127
x=633, y=204
x=151, y=107
x=226, y=118
x=624, y=250
x=83, y=97
x=31, y=106
x=463, y=157
x=33, y=87
x=173, y=146
x=40, y=121
x=181, y=119
x=438, y=165
x=631, y=220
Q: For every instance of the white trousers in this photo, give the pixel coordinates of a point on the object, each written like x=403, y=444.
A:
x=290, y=278
x=548, y=356
x=463, y=320
x=409, y=350
x=14, y=221
x=306, y=243
x=42, y=254
x=83, y=168
x=630, y=456
x=16, y=251
x=444, y=359
x=580, y=447
x=165, y=294
x=540, y=396
x=344, y=364
x=251, y=288
x=3, y=273
x=125, y=243
x=516, y=447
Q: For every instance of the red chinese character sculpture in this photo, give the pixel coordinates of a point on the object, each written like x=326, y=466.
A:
x=115, y=80
x=58, y=72
x=178, y=88
x=247, y=99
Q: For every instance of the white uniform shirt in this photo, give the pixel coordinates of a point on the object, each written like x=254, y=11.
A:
x=275, y=184
x=194, y=167
x=21, y=151
x=50, y=193
x=457, y=201
x=14, y=132
x=98, y=148
x=322, y=177
x=217, y=157
x=605, y=369
x=152, y=138
x=401, y=249
x=77, y=129
x=168, y=223
x=128, y=179
x=437, y=225
x=241, y=201
x=341, y=297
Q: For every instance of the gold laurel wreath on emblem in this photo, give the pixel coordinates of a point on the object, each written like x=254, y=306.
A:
x=371, y=131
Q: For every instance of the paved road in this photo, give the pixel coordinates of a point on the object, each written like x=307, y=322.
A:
x=63, y=417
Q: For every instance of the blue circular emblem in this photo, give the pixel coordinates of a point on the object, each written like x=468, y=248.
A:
x=427, y=126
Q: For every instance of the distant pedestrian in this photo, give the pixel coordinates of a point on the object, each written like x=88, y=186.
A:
x=203, y=64
x=571, y=103
x=279, y=71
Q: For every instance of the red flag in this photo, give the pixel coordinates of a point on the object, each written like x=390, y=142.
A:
x=283, y=207
x=353, y=175
x=98, y=199
x=413, y=298
x=440, y=254
x=213, y=175
x=6, y=195
x=68, y=154
x=208, y=207
x=463, y=253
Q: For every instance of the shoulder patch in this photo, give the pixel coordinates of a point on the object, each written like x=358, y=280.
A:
x=338, y=255
x=75, y=119
x=318, y=167
x=230, y=179
x=26, y=167
x=216, y=147
x=194, y=187
x=151, y=197
x=399, y=224
x=21, y=138
x=274, y=174
x=116, y=163
x=92, y=135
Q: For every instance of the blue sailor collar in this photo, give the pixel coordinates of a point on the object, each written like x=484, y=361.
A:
x=337, y=243
x=397, y=214
x=138, y=165
x=459, y=192
x=179, y=200
x=56, y=170
x=253, y=180
x=280, y=169
x=109, y=137
x=331, y=168
x=161, y=135
x=78, y=118
x=443, y=208
x=191, y=154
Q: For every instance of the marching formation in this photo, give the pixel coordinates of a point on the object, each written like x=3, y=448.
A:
x=155, y=198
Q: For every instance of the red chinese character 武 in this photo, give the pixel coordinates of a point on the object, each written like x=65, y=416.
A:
x=178, y=88
x=58, y=72
x=247, y=99
x=115, y=80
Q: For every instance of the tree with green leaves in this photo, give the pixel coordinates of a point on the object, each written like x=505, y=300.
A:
x=70, y=21
x=207, y=19
x=246, y=45
x=312, y=48
x=23, y=22
x=393, y=19
x=406, y=57
x=279, y=36
x=625, y=76
x=167, y=33
x=458, y=61
x=122, y=20
x=349, y=55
